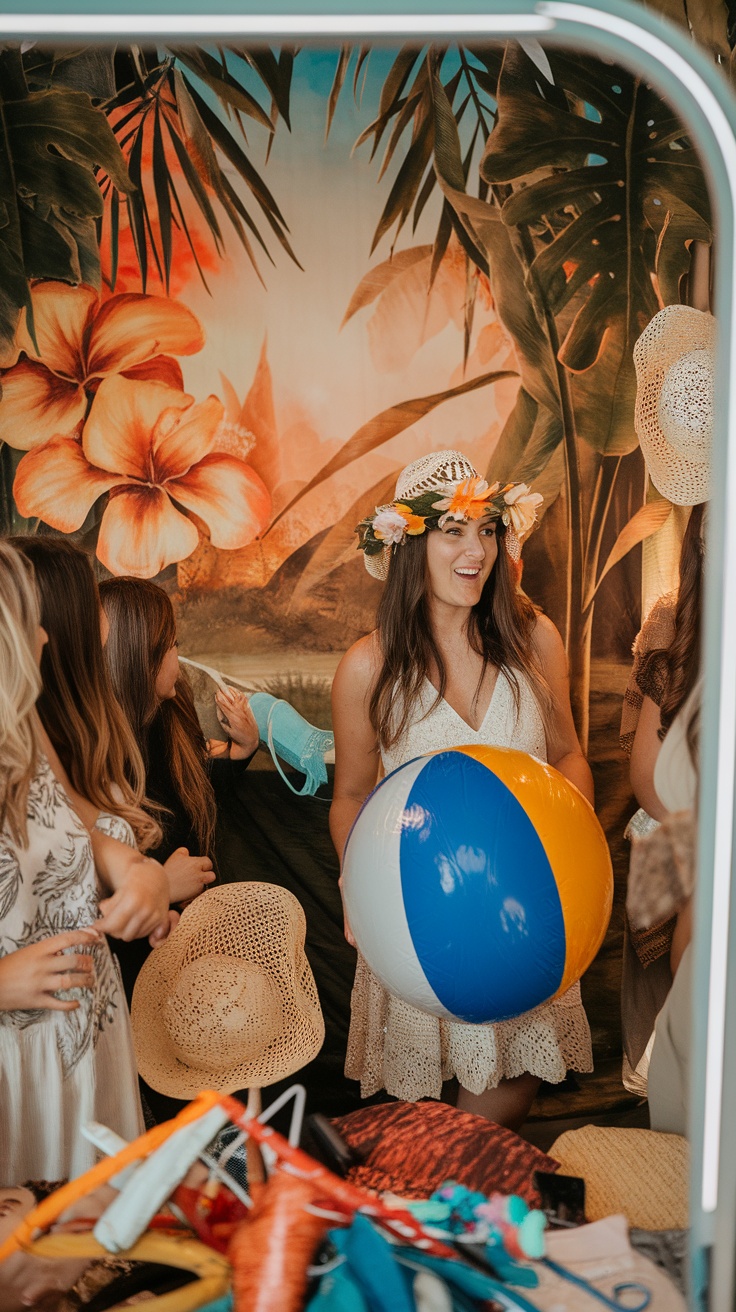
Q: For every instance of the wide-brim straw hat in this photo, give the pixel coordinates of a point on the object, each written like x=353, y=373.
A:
x=437, y=470
x=675, y=371
x=229, y=1000
x=642, y=1173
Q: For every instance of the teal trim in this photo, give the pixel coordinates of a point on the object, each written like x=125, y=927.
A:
x=663, y=54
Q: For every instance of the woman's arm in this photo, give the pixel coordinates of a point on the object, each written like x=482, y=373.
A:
x=644, y=753
x=139, y=901
x=563, y=748
x=356, y=748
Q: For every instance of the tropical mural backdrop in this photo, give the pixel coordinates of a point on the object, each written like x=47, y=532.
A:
x=240, y=288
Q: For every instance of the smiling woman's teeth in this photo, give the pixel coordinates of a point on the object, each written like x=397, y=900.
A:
x=468, y=573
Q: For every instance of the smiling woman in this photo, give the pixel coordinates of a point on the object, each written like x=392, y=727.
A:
x=457, y=656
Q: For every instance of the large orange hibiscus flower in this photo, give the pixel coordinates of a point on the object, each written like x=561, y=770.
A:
x=155, y=452
x=81, y=340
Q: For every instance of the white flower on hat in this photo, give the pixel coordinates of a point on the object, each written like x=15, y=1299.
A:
x=389, y=525
x=522, y=508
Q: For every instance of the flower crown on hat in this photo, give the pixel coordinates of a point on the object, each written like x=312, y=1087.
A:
x=471, y=498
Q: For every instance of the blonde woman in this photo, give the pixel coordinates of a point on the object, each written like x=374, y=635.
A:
x=66, y=1054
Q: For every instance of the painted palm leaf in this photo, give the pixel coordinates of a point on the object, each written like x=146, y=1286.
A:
x=610, y=230
x=51, y=143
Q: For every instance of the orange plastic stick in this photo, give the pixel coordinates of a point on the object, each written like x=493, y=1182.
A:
x=48, y=1211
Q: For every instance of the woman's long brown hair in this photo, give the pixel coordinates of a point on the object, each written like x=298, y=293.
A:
x=500, y=630
x=77, y=705
x=675, y=669
x=142, y=630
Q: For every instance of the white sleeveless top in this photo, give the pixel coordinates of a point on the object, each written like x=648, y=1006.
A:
x=435, y=725
x=410, y=1053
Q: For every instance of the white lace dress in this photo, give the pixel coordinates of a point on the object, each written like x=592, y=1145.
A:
x=60, y=1069
x=409, y=1053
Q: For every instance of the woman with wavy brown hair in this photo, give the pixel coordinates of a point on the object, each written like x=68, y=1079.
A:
x=182, y=782
x=77, y=705
x=675, y=368
x=181, y=778
x=665, y=671
x=459, y=654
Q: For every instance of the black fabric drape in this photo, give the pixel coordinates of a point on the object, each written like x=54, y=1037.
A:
x=266, y=833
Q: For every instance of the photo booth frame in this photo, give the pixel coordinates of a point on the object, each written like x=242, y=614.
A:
x=684, y=76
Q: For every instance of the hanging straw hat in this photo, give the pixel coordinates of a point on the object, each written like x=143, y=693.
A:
x=675, y=369
x=229, y=1000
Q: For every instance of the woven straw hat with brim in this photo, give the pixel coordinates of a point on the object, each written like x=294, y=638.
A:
x=675, y=370
x=229, y=1000
x=434, y=471
x=642, y=1173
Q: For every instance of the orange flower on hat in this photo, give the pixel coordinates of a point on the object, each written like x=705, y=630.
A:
x=81, y=340
x=469, y=499
x=415, y=524
x=154, y=451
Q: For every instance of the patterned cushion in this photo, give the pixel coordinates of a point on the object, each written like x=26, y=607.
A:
x=410, y=1148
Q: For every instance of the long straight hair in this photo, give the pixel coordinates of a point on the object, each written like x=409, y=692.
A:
x=77, y=705
x=675, y=669
x=142, y=630
x=500, y=630
x=19, y=687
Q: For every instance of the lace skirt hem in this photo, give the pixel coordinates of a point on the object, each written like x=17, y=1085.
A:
x=408, y=1053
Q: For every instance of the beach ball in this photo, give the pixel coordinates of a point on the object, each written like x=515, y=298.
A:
x=477, y=882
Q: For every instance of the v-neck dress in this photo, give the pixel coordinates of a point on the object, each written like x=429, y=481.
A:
x=410, y=1053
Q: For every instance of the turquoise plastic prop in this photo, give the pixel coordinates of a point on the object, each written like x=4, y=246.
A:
x=288, y=735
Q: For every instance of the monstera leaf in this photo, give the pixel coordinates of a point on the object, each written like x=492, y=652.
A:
x=50, y=145
x=602, y=227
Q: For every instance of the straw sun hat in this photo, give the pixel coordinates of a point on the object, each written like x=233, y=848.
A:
x=675, y=368
x=229, y=1000
x=435, y=471
x=642, y=1173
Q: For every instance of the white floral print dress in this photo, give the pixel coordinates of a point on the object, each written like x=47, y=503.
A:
x=410, y=1053
x=59, y=1069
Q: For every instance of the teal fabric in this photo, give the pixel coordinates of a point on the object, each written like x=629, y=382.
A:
x=468, y=1280
x=338, y=1291
x=289, y=736
x=373, y=1266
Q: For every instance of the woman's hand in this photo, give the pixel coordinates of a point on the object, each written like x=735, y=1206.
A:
x=235, y=715
x=188, y=876
x=162, y=931
x=140, y=905
x=31, y=976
